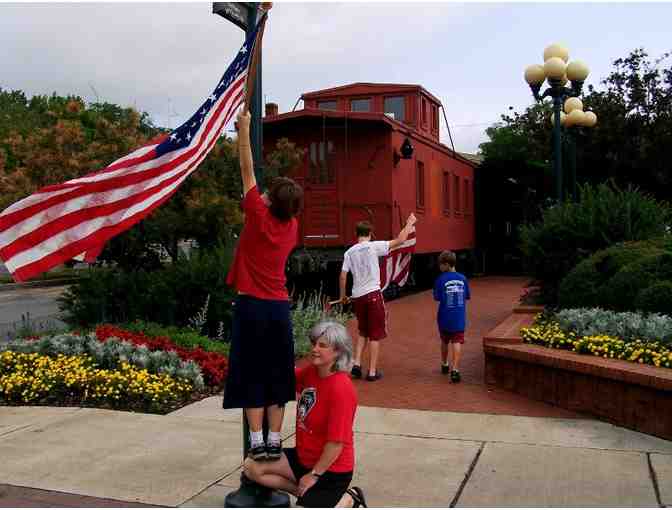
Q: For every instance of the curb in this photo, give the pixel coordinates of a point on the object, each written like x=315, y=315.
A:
x=56, y=282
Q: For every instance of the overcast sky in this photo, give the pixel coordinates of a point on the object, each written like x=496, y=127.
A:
x=166, y=58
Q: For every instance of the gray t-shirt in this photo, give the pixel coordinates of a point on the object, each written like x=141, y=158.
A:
x=362, y=261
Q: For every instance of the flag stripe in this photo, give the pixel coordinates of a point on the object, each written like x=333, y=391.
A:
x=395, y=267
x=73, y=231
x=77, y=217
x=146, y=171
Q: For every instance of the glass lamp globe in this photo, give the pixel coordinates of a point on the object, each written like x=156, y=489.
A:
x=573, y=103
x=534, y=74
x=554, y=68
x=556, y=50
x=590, y=119
x=575, y=118
x=577, y=71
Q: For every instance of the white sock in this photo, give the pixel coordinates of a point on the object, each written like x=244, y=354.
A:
x=256, y=438
x=274, y=437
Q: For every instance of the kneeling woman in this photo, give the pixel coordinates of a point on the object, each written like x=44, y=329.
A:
x=319, y=470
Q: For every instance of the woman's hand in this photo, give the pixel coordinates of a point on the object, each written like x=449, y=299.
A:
x=306, y=482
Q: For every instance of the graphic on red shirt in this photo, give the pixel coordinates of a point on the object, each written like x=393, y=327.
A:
x=325, y=412
x=304, y=406
x=258, y=267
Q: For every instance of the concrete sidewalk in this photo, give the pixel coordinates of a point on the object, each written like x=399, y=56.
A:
x=405, y=458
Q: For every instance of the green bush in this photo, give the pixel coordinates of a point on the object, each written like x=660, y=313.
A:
x=307, y=311
x=172, y=295
x=626, y=277
x=569, y=232
x=583, y=286
x=656, y=298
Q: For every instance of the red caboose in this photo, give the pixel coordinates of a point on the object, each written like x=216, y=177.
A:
x=353, y=170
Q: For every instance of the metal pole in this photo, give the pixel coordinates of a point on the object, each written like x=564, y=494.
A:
x=557, y=146
x=256, y=129
x=571, y=178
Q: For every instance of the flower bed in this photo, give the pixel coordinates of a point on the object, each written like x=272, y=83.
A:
x=549, y=333
x=32, y=378
x=213, y=365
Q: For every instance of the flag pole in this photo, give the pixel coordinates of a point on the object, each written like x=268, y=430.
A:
x=251, y=494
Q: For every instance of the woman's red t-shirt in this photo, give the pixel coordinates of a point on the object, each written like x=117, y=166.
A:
x=325, y=411
x=258, y=267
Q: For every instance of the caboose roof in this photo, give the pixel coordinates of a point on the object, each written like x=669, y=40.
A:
x=394, y=125
x=361, y=88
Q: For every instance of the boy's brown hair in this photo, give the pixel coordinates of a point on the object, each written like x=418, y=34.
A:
x=447, y=258
x=286, y=198
x=364, y=229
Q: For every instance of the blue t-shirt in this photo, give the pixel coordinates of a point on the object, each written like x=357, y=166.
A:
x=451, y=290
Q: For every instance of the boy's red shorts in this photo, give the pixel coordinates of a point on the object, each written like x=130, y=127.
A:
x=456, y=337
x=371, y=315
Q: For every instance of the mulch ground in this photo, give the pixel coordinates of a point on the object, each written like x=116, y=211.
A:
x=410, y=357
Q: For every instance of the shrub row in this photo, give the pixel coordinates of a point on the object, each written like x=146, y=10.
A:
x=629, y=326
x=110, y=355
x=213, y=365
x=625, y=277
x=182, y=337
x=170, y=296
x=569, y=232
x=32, y=378
x=550, y=334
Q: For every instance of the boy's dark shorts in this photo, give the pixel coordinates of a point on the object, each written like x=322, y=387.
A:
x=371, y=315
x=328, y=490
x=261, y=358
x=455, y=337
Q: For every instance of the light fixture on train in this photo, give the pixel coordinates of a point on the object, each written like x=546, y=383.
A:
x=406, y=150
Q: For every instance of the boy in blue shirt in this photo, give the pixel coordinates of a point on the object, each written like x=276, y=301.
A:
x=451, y=290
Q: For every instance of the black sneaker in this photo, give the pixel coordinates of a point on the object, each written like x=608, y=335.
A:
x=455, y=376
x=374, y=377
x=356, y=372
x=257, y=452
x=445, y=369
x=274, y=451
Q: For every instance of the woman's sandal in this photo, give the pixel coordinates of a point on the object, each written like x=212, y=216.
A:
x=357, y=496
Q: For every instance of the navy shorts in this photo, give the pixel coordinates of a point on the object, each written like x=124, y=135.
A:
x=261, y=358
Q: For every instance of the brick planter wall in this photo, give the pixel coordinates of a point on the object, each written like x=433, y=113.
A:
x=630, y=395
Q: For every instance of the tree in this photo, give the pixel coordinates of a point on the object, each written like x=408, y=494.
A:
x=46, y=140
x=631, y=144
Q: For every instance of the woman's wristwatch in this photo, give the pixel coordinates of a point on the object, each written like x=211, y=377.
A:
x=315, y=474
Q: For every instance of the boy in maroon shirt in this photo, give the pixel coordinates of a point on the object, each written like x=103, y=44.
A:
x=261, y=360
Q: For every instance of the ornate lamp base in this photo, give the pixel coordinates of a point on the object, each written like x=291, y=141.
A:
x=253, y=495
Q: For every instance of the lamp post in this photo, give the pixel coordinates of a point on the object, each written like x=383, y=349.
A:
x=558, y=72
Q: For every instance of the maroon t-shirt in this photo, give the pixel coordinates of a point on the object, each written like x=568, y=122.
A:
x=325, y=411
x=258, y=267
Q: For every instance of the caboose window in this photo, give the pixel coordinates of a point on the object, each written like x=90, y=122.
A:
x=435, y=118
x=360, y=105
x=322, y=164
x=446, y=193
x=424, y=111
x=396, y=106
x=456, y=185
x=420, y=186
x=467, y=209
x=326, y=105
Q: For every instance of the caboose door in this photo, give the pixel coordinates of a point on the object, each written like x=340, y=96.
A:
x=321, y=211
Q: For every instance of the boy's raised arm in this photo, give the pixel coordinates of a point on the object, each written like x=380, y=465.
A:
x=245, y=152
x=403, y=235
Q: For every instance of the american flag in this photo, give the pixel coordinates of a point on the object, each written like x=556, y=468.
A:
x=395, y=267
x=75, y=218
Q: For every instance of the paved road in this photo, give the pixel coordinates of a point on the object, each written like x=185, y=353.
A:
x=38, y=303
